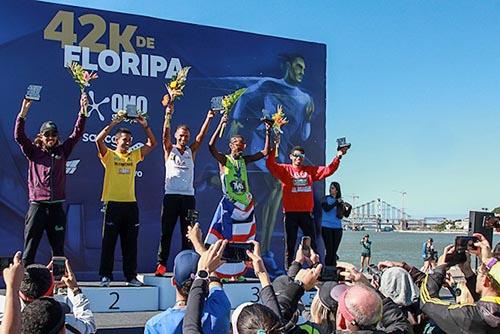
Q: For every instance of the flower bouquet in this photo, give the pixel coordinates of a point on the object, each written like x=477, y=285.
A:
x=279, y=120
x=176, y=86
x=81, y=77
x=228, y=102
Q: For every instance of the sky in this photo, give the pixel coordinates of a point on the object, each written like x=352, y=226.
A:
x=413, y=85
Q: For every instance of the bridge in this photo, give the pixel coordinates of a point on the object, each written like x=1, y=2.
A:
x=378, y=213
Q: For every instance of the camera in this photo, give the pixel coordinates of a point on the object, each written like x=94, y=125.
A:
x=330, y=273
x=462, y=244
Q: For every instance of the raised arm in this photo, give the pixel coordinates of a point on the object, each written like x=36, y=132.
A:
x=221, y=158
x=101, y=145
x=151, y=143
x=167, y=143
x=13, y=276
x=203, y=131
x=277, y=170
x=322, y=172
x=19, y=135
x=264, y=152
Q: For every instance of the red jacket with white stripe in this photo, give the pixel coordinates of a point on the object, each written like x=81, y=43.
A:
x=297, y=182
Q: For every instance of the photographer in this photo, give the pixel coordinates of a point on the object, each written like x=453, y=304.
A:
x=481, y=317
x=333, y=210
x=217, y=306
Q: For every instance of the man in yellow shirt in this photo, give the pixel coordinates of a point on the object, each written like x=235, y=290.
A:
x=121, y=217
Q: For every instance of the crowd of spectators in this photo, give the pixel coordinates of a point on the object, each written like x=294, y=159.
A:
x=395, y=298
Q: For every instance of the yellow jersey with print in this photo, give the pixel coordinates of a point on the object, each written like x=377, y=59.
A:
x=119, y=175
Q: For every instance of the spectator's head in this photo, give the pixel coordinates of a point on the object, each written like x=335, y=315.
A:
x=48, y=137
x=335, y=190
x=251, y=318
x=182, y=135
x=123, y=137
x=43, y=316
x=37, y=282
x=366, y=237
x=397, y=284
x=430, y=241
x=325, y=303
x=360, y=307
x=488, y=281
x=185, y=267
x=297, y=156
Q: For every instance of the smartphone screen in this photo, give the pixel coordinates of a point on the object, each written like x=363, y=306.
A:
x=306, y=246
x=58, y=267
x=237, y=252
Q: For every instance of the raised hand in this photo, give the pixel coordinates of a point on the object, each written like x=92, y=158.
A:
x=309, y=277
x=142, y=121
x=84, y=102
x=14, y=274
x=211, y=259
x=25, y=106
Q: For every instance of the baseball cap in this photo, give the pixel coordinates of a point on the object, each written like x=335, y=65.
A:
x=185, y=266
x=330, y=292
x=48, y=126
x=494, y=272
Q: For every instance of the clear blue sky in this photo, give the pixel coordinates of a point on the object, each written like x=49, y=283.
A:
x=414, y=85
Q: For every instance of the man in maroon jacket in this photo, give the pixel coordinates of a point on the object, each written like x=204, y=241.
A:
x=46, y=180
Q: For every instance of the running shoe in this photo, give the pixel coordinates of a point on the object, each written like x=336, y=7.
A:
x=105, y=282
x=161, y=270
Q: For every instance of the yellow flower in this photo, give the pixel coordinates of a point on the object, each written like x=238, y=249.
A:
x=173, y=84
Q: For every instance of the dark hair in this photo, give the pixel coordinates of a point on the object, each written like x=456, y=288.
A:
x=185, y=287
x=182, y=126
x=123, y=130
x=236, y=137
x=289, y=58
x=38, y=141
x=257, y=316
x=36, y=282
x=298, y=148
x=337, y=187
x=42, y=316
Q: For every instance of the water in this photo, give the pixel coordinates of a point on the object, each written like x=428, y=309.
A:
x=394, y=246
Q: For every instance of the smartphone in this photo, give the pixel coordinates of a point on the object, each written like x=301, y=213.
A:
x=306, y=246
x=375, y=272
x=237, y=252
x=329, y=273
x=216, y=103
x=462, y=243
x=491, y=222
x=5, y=262
x=192, y=216
x=58, y=267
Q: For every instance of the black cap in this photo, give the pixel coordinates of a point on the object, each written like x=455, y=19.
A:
x=329, y=293
x=48, y=126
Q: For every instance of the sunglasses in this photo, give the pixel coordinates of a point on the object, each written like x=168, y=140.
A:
x=298, y=155
x=50, y=134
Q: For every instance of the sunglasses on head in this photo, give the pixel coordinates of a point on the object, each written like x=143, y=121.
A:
x=298, y=155
x=50, y=134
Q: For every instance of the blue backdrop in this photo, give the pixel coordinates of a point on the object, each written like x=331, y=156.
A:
x=134, y=57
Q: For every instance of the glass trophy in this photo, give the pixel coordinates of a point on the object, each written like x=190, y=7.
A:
x=33, y=93
x=342, y=144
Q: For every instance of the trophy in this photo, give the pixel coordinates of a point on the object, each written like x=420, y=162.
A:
x=33, y=93
x=131, y=110
x=267, y=117
x=342, y=144
x=216, y=103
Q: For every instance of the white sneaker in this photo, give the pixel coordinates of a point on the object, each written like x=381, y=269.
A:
x=134, y=282
x=105, y=282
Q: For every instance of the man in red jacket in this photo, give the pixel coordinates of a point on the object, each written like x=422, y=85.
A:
x=298, y=201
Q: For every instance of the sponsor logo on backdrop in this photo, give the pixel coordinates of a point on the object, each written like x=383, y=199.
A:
x=117, y=101
x=71, y=166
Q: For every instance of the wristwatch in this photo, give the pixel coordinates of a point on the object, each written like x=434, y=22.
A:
x=202, y=274
x=214, y=279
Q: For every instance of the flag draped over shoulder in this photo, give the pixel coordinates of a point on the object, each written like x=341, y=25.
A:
x=235, y=222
